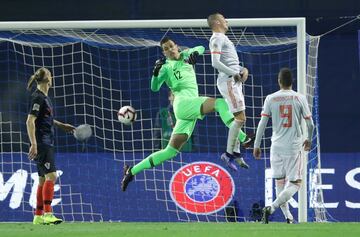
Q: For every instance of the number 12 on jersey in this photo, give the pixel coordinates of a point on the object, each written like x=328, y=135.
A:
x=177, y=75
x=286, y=112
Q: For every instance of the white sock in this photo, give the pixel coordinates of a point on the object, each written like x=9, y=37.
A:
x=285, y=195
x=234, y=130
x=280, y=184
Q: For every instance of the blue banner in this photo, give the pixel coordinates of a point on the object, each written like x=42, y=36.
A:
x=89, y=189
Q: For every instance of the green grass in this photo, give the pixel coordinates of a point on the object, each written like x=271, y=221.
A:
x=180, y=229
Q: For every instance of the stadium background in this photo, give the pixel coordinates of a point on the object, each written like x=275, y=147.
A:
x=339, y=75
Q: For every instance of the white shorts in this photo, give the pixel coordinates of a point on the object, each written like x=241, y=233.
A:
x=232, y=93
x=287, y=166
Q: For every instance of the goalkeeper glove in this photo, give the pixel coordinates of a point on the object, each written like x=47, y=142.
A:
x=192, y=58
x=158, y=65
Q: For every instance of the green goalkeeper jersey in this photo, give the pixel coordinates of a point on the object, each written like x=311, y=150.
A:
x=178, y=75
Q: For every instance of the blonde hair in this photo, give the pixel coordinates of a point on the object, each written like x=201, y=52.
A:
x=212, y=18
x=39, y=76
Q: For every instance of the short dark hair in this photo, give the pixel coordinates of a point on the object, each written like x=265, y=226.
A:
x=211, y=18
x=164, y=40
x=285, y=77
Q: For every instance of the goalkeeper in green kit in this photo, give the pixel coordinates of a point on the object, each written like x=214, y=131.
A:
x=178, y=73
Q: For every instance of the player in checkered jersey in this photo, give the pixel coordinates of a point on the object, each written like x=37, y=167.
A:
x=229, y=82
x=286, y=108
x=40, y=127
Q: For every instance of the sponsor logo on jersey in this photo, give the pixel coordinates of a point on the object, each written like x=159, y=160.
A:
x=47, y=165
x=202, y=188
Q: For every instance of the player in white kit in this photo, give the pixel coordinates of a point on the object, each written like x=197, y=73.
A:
x=229, y=82
x=286, y=108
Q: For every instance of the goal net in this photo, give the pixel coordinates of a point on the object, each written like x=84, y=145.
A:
x=98, y=67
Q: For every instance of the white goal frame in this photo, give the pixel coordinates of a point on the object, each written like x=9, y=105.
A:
x=299, y=23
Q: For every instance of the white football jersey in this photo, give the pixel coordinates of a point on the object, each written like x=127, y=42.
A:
x=286, y=108
x=220, y=44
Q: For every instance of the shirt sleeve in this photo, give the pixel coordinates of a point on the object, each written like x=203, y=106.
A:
x=199, y=49
x=156, y=82
x=36, y=103
x=265, y=115
x=310, y=128
x=266, y=111
x=215, y=46
x=260, y=130
x=305, y=108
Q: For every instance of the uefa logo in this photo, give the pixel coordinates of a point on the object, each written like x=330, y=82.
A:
x=202, y=188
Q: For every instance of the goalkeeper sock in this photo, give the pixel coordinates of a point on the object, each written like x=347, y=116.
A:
x=39, y=201
x=223, y=109
x=155, y=159
x=242, y=136
x=232, y=136
x=48, y=194
x=280, y=184
x=226, y=116
x=285, y=195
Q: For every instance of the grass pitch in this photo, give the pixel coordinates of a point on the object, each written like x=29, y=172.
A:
x=141, y=229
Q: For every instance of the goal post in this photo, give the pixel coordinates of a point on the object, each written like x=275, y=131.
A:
x=189, y=28
x=169, y=23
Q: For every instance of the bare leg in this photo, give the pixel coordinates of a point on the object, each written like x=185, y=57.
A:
x=157, y=158
x=208, y=106
x=178, y=140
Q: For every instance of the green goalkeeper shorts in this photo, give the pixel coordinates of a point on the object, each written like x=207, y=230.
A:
x=184, y=127
x=188, y=108
x=187, y=111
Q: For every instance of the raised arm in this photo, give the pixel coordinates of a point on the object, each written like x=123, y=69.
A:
x=190, y=55
x=159, y=75
x=200, y=49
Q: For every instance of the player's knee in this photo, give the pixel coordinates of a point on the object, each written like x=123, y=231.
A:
x=208, y=106
x=51, y=176
x=177, y=141
x=240, y=117
x=211, y=101
x=240, y=121
x=41, y=180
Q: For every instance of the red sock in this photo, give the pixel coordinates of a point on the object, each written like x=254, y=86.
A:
x=39, y=201
x=48, y=194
